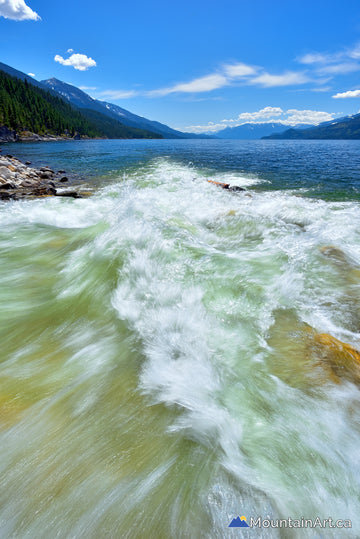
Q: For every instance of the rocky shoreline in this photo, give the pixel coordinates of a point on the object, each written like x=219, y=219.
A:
x=19, y=181
x=9, y=135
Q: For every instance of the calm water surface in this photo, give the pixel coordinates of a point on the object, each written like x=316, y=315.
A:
x=174, y=355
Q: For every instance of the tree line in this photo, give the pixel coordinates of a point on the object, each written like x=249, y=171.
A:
x=24, y=107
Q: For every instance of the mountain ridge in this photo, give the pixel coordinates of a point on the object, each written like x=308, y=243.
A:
x=345, y=128
x=253, y=131
x=29, y=111
x=81, y=99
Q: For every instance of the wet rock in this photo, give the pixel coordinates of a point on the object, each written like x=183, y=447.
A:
x=6, y=195
x=61, y=171
x=18, y=180
x=46, y=175
x=27, y=162
x=303, y=357
x=43, y=190
x=73, y=194
x=220, y=184
x=8, y=185
x=236, y=188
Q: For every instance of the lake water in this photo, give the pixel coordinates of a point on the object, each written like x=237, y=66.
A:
x=175, y=355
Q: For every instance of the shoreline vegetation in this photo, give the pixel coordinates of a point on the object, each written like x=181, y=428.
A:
x=20, y=180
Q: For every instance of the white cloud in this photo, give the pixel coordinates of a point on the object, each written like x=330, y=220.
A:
x=209, y=128
x=230, y=73
x=31, y=74
x=239, y=70
x=81, y=62
x=70, y=51
x=289, y=78
x=314, y=117
x=345, y=95
x=355, y=52
x=117, y=94
x=269, y=114
x=313, y=58
x=202, y=84
x=335, y=69
x=87, y=88
x=259, y=116
x=321, y=89
x=17, y=10
x=337, y=63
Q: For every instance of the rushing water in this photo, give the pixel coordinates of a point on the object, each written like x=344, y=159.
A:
x=174, y=355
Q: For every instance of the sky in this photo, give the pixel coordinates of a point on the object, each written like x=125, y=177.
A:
x=195, y=65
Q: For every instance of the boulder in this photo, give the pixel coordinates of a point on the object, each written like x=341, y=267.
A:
x=46, y=175
x=5, y=173
x=8, y=185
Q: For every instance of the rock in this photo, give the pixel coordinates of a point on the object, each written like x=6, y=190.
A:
x=46, y=175
x=7, y=135
x=72, y=194
x=5, y=195
x=43, y=190
x=5, y=173
x=236, y=188
x=27, y=162
x=18, y=180
x=28, y=183
x=61, y=171
x=220, y=184
x=8, y=185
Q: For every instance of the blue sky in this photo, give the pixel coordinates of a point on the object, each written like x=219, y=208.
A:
x=195, y=65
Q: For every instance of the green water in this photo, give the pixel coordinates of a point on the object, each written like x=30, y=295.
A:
x=161, y=371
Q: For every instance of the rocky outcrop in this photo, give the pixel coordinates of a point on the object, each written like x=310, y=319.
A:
x=7, y=135
x=18, y=180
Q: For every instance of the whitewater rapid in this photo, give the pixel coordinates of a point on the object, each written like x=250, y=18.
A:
x=154, y=379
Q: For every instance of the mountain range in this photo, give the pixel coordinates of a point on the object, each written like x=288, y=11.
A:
x=342, y=128
x=251, y=131
x=100, y=118
x=97, y=111
x=83, y=101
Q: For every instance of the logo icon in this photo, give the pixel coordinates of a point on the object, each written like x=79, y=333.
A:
x=239, y=522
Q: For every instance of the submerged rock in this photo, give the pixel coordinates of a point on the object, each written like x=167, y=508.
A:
x=303, y=357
